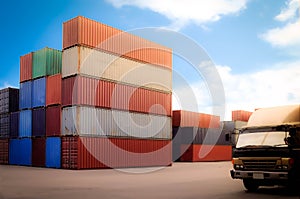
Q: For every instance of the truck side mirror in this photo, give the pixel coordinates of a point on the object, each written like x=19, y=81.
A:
x=227, y=138
x=292, y=132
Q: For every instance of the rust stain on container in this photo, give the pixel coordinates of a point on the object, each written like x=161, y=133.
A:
x=79, y=90
x=91, y=153
x=87, y=32
x=26, y=67
x=53, y=90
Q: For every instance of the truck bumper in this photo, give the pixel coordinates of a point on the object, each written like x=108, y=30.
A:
x=260, y=175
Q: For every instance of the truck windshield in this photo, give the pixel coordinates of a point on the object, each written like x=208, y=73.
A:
x=257, y=139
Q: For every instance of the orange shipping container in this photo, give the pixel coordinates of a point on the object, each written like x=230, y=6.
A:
x=26, y=67
x=192, y=119
x=205, y=153
x=241, y=115
x=79, y=90
x=53, y=90
x=95, y=152
x=87, y=32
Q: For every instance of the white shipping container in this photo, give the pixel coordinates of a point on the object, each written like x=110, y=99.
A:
x=95, y=63
x=91, y=121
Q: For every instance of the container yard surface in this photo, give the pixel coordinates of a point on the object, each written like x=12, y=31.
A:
x=182, y=180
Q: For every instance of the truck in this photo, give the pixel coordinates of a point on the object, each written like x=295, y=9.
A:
x=267, y=152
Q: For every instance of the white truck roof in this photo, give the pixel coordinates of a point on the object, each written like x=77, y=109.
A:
x=275, y=116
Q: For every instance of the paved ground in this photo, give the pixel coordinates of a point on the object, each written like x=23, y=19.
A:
x=182, y=180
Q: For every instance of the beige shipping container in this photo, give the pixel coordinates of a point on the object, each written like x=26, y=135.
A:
x=95, y=63
x=91, y=121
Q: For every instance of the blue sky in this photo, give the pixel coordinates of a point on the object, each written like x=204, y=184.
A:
x=254, y=44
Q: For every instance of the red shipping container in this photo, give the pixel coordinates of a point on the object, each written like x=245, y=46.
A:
x=241, y=115
x=26, y=67
x=53, y=90
x=87, y=32
x=80, y=90
x=53, y=121
x=185, y=118
x=205, y=153
x=38, y=152
x=95, y=152
x=192, y=119
x=4, y=147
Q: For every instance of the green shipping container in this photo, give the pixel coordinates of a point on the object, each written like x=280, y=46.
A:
x=46, y=61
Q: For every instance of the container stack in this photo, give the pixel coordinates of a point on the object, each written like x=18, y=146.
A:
x=40, y=92
x=199, y=137
x=9, y=102
x=116, y=98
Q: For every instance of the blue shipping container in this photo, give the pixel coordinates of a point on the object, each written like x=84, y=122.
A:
x=25, y=123
x=20, y=151
x=53, y=152
x=25, y=95
x=39, y=122
x=39, y=92
x=14, y=155
x=14, y=124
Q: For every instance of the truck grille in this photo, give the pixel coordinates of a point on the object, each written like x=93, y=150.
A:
x=259, y=164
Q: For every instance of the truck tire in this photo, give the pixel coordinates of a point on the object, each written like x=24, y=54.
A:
x=250, y=185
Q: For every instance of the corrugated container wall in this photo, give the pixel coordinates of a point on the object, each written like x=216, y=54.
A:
x=20, y=151
x=39, y=122
x=90, y=33
x=4, y=146
x=39, y=92
x=200, y=153
x=25, y=125
x=26, y=67
x=240, y=115
x=4, y=125
x=53, y=121
x=46, y=61
x=53, y=90
x=91, y=153
x=80, y=90
x=89, y=121
x=95, y=63
x=38, y=152
x=9, y=100
x=14, y=124
x=25, y=95
x=53, y=152
x=192, y=119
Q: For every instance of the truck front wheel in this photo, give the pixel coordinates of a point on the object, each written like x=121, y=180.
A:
x=250, y=185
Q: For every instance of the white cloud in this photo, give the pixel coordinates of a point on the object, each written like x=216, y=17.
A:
x=183, y=12
x=288, y=35
x=6, y=85
x=289, y=12
x=276, y=86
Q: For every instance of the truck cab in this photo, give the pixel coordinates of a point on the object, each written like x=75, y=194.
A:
x=267, y=152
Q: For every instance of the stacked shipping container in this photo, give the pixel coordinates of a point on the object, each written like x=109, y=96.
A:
x=40, y=89
x=199, y=137
x=116, y=97
x=9, y=102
